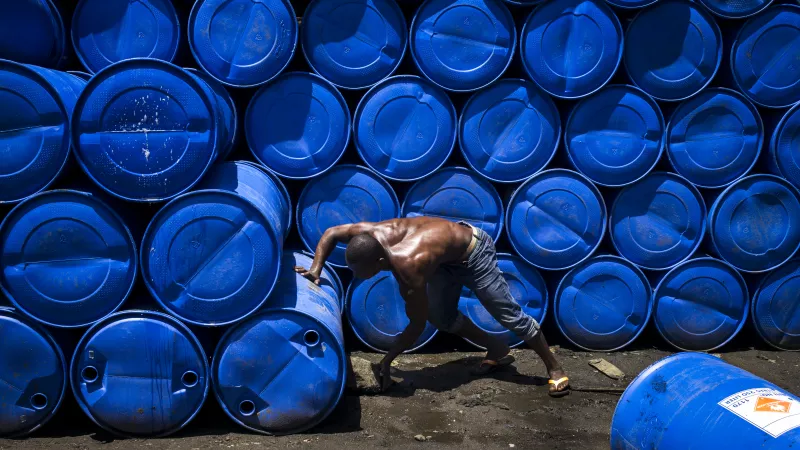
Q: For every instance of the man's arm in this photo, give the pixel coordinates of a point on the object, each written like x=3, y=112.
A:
x=333, y=235
x=416, y=297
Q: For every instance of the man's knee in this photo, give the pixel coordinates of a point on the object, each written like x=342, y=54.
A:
x=448, y=324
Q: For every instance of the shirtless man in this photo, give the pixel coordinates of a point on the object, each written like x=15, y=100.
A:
x=431, y=259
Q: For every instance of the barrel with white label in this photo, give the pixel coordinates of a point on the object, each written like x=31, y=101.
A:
x=698, y=401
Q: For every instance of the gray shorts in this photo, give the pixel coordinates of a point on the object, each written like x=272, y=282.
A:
x=481, y=274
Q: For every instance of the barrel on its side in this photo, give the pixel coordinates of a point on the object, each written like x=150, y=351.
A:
x=33, y=375
x=140, y=374
x=783, y=146
x=284, y=369
x=776, y=307
x=32, y=32
x=694, y=400
x=226, y=111
x=736, y=10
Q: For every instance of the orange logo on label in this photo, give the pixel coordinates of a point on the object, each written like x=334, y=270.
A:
x=766, y=404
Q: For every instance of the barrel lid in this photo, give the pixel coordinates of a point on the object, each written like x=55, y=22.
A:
x=210, y=257
x=783, y=145
x=463, y=45
x=345, y=194
x=571, y=48
x=354, y=44
x=68, y=260
x=32, y=375
x=140, y=374
x=279, y=372
x=145, y=130
x=227, y=107
x=298, y=126
x=243, y=43
x=603, y=304
x=616, y=136
x=764, y=54
x=754, y=223
x=715, y=137
x=108, y=31
x=377, y=313
x=509, y=130
x=32, y=32
x=457, y=194
x=776, y=307
x=527, y=288
x=673, y=49
x=34, y=132
x=556, y=219
x=658, y=222
x=405, y=128
x=735, y=10
x=701, y=305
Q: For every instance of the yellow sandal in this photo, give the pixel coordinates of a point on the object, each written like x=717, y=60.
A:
x=556, y=391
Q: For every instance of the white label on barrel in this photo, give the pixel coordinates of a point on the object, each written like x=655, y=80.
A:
x=769, y=409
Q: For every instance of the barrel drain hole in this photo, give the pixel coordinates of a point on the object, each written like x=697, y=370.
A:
x=89, y=374
x=311, y=338
x=39, y=401
x=189, y=379
x=247, y=408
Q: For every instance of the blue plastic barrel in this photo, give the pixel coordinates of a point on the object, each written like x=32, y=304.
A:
x=354, y=44
x=457, y=194
x=145, y=130
x=764, y=55
x=509, y=131
x=405, y=128
x=527, y=287
x=345, y=194
x=329, y=280
x=715, y=137
x=603, y=304
x=701, y=305
x=616, y=136
x=34, y=127
x=140, y=374
x=755, y=223
x=463, y=45
x=630, y=4
x=284, y=370
x=776, y=307
x=693, y=400
x=571, y=48
x=783, y=147
x=556, y=219
x=82, y=75
x=730, y=9
x=226, y=111
x=67, y=258
x=243, y=43
x=673, y=49
x=377, y=313
x=658, y=222
x=109, y=31
x=32, y=32
x=33, y=375
x=298, y=126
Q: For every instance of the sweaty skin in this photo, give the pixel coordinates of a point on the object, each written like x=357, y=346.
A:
x=413, y=249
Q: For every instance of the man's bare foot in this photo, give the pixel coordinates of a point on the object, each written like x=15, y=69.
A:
x=559, y=383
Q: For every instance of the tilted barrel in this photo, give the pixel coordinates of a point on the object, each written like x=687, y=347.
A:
x=776, y=307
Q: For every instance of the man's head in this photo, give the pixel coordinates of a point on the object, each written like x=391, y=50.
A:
x=365, y=256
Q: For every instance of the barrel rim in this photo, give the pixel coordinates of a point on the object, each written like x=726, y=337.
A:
x=712, y=213
x=192, y=47
x=613, y=17
x=512, y=30
x=391, y=4
x=148, y=235
x=726, y=15
x=281, y=187
x=621, y=261
x=79, y=50
x=712, y=24
x=26, y=71
x=370, y=94
x=778, y=133
x=301, y=201
x=460, y=127
x=647, y=98
x=590, y=185
x=324, y=83
x=123, y=228
x=60, y=33
x=42, y=331
x=667, y=276
x=687, y=104
x=703, y=224
x=168, y=67
x=343, y=360
x=231, y=104
x=627, y=7
x=761, y=284
x=347, y=315
x=144, y=314
x=491, y=190
x=337, y=281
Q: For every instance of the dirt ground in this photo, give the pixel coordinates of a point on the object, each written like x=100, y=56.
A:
x=436, y=398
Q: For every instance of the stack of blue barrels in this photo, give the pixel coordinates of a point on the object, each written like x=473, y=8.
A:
x=165, y=164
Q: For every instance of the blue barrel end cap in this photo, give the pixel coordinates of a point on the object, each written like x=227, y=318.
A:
x=32, y=32
x=776, y=315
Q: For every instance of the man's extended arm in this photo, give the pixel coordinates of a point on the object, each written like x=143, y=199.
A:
x=416, y=298
x=333, y=235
